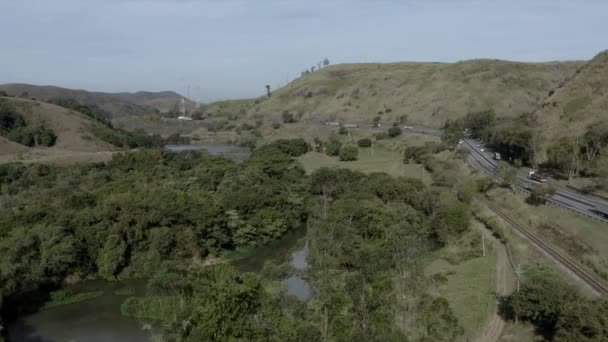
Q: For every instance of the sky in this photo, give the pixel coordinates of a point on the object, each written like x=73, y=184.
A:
x=232, y=48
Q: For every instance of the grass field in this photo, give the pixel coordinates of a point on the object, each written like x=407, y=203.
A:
x=470, y=290
x=383, y=160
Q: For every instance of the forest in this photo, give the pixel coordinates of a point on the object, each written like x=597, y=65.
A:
x=169, y=217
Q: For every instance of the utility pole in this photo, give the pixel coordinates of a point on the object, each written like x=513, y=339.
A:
x=518, y=274
x=373, y=140
x=483, y=243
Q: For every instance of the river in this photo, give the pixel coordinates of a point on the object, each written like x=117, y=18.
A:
x=100, y=320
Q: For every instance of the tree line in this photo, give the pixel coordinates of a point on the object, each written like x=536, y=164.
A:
x=518, y=140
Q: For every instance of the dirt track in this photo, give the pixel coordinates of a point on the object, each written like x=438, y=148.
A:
x=494, y=327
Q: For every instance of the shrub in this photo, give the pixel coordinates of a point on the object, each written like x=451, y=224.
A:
x=333, y=146
x=381, y=136
x=288, y=117
x=343, y=131
x=365, y=142
x=394, y=132
x=349, y=153
x=540, y=194
x=276, y=125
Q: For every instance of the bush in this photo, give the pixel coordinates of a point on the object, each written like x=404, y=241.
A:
x=333, y=146
x=365, y=142
x=540, y=194
x=381, y=136
x=276, y=125
x=349, y=153
x=288, y=117
x=394, y=132
x=343, y=131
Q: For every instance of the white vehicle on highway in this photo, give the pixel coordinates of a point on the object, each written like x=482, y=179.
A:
x=536, y=176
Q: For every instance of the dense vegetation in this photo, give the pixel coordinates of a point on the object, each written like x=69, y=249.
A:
x=518, y=141
x=14, y=127
x=368, y=235
x=560, y=312
x=125, y=218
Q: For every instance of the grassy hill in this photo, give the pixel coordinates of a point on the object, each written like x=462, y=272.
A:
x=418, y=93
x=117, y=104
x=583, y=100
x=74, y=130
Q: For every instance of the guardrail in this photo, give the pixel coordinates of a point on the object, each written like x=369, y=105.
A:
x=547, y=200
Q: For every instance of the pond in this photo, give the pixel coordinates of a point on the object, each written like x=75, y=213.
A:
x=100, y=320
x=233, y=152
x=95, y=320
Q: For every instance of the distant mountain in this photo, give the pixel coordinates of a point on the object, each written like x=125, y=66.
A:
x=117, y=104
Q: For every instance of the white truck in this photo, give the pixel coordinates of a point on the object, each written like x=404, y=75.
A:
x=536, y=176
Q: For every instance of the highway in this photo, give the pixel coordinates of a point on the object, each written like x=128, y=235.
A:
x=583, y=204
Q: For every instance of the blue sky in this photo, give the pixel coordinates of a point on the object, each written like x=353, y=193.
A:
x=232, y=48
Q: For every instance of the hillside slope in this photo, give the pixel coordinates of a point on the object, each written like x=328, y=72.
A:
x=118, y=104
x=581, y=101
x=73, y=130
x=418, y=93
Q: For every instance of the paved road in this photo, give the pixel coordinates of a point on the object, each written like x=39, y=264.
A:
x=584, y=204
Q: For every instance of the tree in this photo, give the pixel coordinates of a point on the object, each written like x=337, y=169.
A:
x=506, y=173
x=565, y=156
x=394, y=132
x=542, y=299
x=343, y=131
x=326, y=62
x=540, y=194
x=333, y=146
x=583, y=321
x=365, y=142
x=268, y=90
x=349, y=153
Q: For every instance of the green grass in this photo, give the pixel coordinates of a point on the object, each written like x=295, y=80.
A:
x=65, y=297
x=470, y=290
x=576, y=105
x=156, y=308
x=383, y=160
x=125, y=291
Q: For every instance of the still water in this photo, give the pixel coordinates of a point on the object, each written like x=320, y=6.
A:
x=99, y=319
x=233, y=152
x=96, y=320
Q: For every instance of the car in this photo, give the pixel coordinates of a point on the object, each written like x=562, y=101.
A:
x=376, y=125
x=496, y=156
x=460, y=142
x=481, y=149
x=408, y=127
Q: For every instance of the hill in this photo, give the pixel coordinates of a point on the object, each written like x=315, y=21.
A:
x=73, y=130
x=117, y=104
x=425, y=94
x=583, y=100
